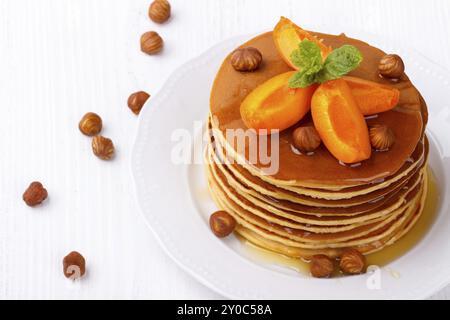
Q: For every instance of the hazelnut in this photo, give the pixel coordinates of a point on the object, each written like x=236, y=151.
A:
x=159, y=11
x=321, y=266
x=391, y=66
x=35, y=194
x=306, y=139
x=137, y=100
x=151, y=42
x=352, y=262
x=222, y=223
x=90, y=124
x=74, y=265
x=381, y=137
x=246, y=59
x=103, y=147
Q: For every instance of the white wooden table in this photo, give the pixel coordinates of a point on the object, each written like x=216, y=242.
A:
x=62, y=58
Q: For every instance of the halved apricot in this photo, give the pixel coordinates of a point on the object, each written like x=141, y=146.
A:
x=372, y=97
x=274, y=106
x=287, y=36
x=340, y=123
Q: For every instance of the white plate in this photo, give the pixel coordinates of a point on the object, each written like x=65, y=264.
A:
x=175, y=202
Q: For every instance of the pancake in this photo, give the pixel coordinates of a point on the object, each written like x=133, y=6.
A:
x=380, y=185
x=305, y=223
x=310, y=197
x=231, y=87
x=307, y=254
x=308, y=240
x=278, y=245
x=245, y=196
x=313, y=204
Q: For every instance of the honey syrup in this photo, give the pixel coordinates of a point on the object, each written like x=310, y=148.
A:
x=381, y=258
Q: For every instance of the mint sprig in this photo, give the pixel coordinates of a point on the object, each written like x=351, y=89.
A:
x=313, y=69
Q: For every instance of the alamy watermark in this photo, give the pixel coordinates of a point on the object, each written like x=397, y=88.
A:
x=230, y=146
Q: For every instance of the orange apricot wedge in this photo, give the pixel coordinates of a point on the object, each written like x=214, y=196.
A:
x=340, y=123
x=287, y=36
x=274, y=106
x=372, y=97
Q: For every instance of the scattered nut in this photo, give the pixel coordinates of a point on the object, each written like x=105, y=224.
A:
x=137, y=100
x=74, y=265
x=391, y=66
x=103, y=147
x=159, y=11
x=352, y=262
x=222, y=223
x=151, y=42
x=306, y=139
x=246, y=59
x=381, y=137
x=90, y=124
x=35, y=194
x=321, y=266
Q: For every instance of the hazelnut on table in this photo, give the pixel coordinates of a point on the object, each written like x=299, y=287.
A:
x=151, y=43
x=35, y=194
x=137, y=100
x=74, y=265
x=159, y=11
x=91, y=124
x=103, y=147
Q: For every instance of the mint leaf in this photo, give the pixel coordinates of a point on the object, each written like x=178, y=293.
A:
x=340, y=62
x=312, y=69
x=307, y=57
x=302, y=79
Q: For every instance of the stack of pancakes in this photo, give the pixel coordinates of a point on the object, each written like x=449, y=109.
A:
x=313, y=204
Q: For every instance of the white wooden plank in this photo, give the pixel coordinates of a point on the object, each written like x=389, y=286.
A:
x=62, y=58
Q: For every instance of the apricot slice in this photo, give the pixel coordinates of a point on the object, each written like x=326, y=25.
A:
x=287, y=36
x=273, y=105
x=372, y=97
x=340, y=123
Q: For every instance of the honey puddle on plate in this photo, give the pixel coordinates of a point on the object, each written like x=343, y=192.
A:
x=381, y=258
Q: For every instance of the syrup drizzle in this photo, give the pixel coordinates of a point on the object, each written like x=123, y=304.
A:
x=381, y=258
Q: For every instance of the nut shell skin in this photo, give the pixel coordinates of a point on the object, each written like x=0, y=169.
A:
x=137, y=100
x=35, y=194
x=321, y=266
x=381, y=137
x=306, y=139
x=352, y=262
x=103, y=147
x=74, y=265
x=246, y=59
x=151, y=43
x=222, y=224
x=391, y=66
x=159, y=11
x=91, y=124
